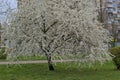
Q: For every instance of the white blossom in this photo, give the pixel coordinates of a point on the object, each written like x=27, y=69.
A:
x=59, y=28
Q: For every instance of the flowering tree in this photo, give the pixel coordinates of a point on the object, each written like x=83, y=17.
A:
x=5, y=10
x=64, y=28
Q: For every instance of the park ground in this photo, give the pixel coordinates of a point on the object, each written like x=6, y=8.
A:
x=63, y=71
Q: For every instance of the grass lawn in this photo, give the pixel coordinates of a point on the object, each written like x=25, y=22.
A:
x=62, y=72
x=28, y=58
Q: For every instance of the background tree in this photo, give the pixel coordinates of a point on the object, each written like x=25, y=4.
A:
x=58, y=28
x=5, y=12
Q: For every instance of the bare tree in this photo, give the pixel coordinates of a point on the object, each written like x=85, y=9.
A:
x=64, y=28
x=6, y=12
x=6, y=9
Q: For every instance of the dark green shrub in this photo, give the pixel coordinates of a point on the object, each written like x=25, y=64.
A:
x=2, y=53
x=116, y=52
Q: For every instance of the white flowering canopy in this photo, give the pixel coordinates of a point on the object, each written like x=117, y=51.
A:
x=64, y=28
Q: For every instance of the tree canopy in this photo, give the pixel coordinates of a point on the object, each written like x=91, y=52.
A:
x=59, y=28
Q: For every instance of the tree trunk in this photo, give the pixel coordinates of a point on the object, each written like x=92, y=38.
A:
x=118, y=67
x=50, y=65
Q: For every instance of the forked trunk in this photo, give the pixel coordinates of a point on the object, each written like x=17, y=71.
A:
x=51, y=68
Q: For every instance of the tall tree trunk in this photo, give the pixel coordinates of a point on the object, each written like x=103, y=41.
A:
x=50, y=65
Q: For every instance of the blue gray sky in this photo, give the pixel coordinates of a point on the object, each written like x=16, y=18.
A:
x=13, y=3
x=4, y=5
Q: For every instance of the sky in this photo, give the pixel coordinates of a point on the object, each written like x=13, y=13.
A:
x=13, y=3
x=4, y=7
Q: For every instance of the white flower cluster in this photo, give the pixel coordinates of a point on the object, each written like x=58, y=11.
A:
x=59, y=28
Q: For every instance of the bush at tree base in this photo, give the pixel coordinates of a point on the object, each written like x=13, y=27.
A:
x=116, y=52
x=2, y=53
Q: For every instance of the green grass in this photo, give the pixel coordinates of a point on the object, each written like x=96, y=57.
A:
x=1, y=60
x=28, y=58
x=62, y=72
